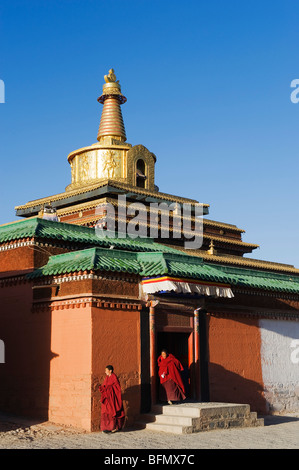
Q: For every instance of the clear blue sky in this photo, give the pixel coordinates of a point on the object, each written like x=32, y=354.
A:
x=208, y=89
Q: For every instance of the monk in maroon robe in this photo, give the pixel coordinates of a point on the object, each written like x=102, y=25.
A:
x=171, y=383
x=112, y=412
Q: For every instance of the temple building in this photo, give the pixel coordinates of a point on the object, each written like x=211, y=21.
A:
x=111, y=270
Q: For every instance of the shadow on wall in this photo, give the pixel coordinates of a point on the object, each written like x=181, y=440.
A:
x=131, y=400
x=24, y=377
x=229, y=387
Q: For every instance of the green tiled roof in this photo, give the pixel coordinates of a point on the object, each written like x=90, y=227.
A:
x=172, y=264
x=144, y=264
x=141, y=256
x=197, y=269
x=154, y=264
x=87, y=260
x=262, y=279
x=89, y=237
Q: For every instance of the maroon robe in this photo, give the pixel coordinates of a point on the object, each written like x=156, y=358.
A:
x=112, y=412
x=172, y=387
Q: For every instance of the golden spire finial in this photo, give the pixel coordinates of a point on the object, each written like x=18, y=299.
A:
x=111, y=121
x=111, y=77
x=111, y=87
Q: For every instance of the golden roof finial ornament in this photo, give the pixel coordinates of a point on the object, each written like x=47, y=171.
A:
x=111, y=87
x=112, y=124
x=111, y=77
x=212, y=250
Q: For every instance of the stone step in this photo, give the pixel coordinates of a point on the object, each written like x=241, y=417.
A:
x=254, y=420
x=204, y=410
x=185, y=418
x=171, y=419
x=176, y=410
x=171, y=428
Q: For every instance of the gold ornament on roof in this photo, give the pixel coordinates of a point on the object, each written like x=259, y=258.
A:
x=111, y=87
x=211, y=249
x=111, y=77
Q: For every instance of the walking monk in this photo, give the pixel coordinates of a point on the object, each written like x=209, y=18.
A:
x=171, y=384
x=112, y=412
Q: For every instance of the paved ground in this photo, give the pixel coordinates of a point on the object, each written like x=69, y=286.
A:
x=279, y=432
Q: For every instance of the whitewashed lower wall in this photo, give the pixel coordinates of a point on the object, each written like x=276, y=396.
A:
x=280, y=364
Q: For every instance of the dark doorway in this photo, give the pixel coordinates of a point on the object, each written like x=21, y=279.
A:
x=140, y=173
x=176, y=344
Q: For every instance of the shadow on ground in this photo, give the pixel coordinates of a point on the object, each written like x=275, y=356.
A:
x=10, y=422
x=272, y=420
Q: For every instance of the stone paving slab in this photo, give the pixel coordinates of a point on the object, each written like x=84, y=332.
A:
x=279, y=432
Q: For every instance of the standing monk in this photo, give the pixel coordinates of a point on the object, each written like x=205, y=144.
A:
x=112, y=412
x=171, y=384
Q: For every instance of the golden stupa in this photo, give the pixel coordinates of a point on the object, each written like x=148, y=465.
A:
x=111, y=157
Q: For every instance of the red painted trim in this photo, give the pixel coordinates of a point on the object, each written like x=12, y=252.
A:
x=191, y=281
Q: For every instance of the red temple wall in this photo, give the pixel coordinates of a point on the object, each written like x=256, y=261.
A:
x=47, y=369
x=116, y=341
x=17, y=259
x=70, y=368
x=26, y=257
x=55, y=360
x=24, y=377
x=235, y=371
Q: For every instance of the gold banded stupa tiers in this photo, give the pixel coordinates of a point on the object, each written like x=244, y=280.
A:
x=112, y=124
x=111, y=157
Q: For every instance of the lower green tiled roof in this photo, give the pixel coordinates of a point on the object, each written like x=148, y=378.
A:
x=262, y=279
x=144, y=264
x=87, y=260
x=154, y=264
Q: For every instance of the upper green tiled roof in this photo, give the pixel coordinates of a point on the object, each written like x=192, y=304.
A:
x=42, y=228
